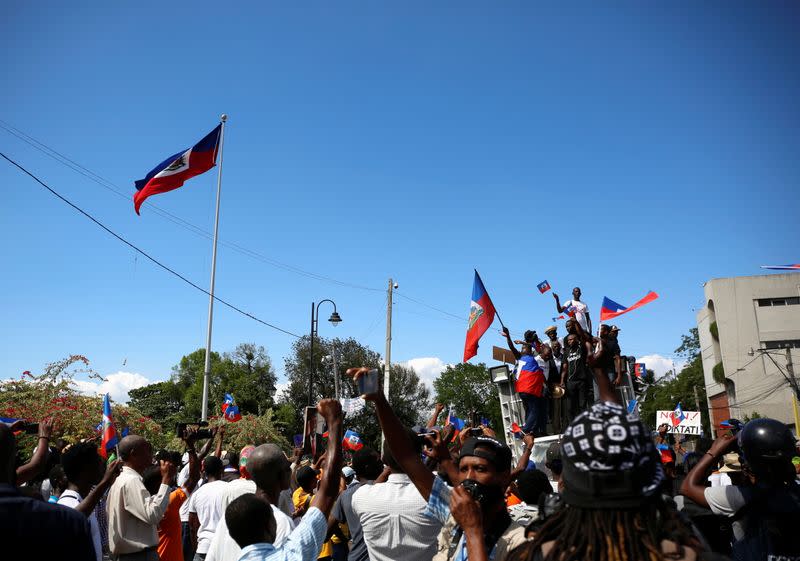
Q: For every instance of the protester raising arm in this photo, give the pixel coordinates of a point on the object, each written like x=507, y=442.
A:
x=604, y=385
x=331, y=411
x=435, y=416
x=87, y=505
x=511, y=346
x=194, y=461
x=527, y=440
x=441, y=454
x=694, y=484
x=30, y=470
x=397, y=439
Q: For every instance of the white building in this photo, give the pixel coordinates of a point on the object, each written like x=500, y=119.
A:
x=744, y=313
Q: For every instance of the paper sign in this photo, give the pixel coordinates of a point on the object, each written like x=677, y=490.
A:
x=691, y=424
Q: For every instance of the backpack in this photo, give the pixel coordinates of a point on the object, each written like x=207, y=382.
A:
x=771, y=521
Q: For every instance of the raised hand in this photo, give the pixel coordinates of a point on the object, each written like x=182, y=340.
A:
x=330, y=409
x=358, y=373
x=465, y=509
x=168, y=471
x=46, y=429
x=112, y=471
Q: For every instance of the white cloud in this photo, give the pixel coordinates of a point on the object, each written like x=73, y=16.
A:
x=427, y=368
x=661, y=364
x=280, y=387
x=117, y=384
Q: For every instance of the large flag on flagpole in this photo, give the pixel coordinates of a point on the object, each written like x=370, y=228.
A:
x=110, y=439
x=175, y=170
x=481, y=316
x=610, y=309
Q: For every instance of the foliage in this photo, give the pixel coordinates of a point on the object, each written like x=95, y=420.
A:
x=408, y=396
x=690, y=345
x=718, y=373
x=714, y=329
x=665, y=394
x=246, y=373
x=467, y=388
x=251, y=429
x=52, y=394
x=754, y=415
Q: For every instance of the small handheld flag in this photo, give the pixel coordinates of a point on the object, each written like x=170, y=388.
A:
x=109, y=440
x=610, y=309
x=639, y=369
x=230, y=410
x=352, y=441
x=794, y=267
x=678, y=415
x=543, y=286
x=481, y=316
x=175, y=170
x=517, y=431
x=558, y=318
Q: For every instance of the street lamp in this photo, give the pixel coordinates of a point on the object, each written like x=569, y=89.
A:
x=335, y=319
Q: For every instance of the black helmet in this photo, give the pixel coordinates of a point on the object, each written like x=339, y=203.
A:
x=765, y=441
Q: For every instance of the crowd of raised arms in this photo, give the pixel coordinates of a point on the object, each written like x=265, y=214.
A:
x=610, y=488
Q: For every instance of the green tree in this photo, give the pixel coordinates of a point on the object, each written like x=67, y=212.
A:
x=162, y=401
x=467, y=388
x=249, y=376
x=407, y=394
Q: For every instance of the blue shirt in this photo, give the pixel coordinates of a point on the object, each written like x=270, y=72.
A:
x=303, y=544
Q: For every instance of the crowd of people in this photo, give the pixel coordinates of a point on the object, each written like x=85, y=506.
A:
x=620, y=493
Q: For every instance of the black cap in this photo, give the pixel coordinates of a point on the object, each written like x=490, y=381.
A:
x=489, y=449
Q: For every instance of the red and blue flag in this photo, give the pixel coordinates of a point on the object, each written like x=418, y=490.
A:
x=529, y=375
x=610, y=309
x=230, y=410
x=795, y=267
x=481, y=316
x=543, y=286
x=639, y=369
x=352, y=441
x=110, y=439
x=175, y=170
x=517, y=431
x=677, y=415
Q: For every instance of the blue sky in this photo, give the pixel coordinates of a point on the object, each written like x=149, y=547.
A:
x=623, y=149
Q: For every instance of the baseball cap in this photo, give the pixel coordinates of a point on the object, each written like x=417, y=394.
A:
x=615, y=328
x=609, y=459
x=348, y=472
x=488, y=448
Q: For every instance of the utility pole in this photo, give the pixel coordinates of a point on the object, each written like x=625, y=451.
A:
x=790, y=369
x=388, y=357
x=336, y=383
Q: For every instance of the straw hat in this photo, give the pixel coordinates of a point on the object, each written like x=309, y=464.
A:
x=557, y=391
x=731, y=462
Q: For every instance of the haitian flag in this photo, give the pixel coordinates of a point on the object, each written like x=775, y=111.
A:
x=677, y=415
x=569, y=310
x=611, y=309
x=543, y=286
x=230, y=410
x=517, y=431
x=639, y=369
x=352, y=441
x=795, y=267
x=175, y=170
x=481, y=316
x=529, y=375
x=110, y=439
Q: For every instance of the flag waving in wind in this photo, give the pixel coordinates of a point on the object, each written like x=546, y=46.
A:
x=175, y=170
x=611, y=309
x=110, y=439
x=481, y=316
x=230, y=410
x=352, y=441
x=677, y=415
x=794, y=267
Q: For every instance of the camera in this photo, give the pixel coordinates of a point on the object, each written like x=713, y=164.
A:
x=180, y=429
x=169, y=456
x=474, y=489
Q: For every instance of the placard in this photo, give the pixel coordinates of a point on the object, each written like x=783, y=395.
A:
x=691, y=423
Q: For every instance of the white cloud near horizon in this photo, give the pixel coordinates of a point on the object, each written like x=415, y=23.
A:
x=427, y=368
x=661, y=364
x=117, y=384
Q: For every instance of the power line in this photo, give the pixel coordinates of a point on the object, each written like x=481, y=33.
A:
x=144, y=253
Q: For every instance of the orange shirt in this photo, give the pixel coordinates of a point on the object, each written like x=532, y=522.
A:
x=170, y=546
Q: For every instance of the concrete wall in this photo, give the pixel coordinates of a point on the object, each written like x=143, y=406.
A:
x=752, y=381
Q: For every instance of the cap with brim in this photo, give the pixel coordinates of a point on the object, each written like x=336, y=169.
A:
x=489, y=449
x=551, y=328
x=731, y=463
x=609, y=460
x=347, y=471
x=615, y=328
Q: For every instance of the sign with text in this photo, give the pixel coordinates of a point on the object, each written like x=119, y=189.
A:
x=689, y=425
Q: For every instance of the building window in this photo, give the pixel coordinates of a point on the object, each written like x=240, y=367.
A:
x=790, y=301
x=784, y=344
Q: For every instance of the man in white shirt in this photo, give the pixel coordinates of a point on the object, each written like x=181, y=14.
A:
x=268, y=462
x=392, y=515
x=133, y=514
x=205, y=507
x=576, y=309
x=84, y=469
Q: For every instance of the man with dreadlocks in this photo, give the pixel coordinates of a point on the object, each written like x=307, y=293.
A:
x=613, y=510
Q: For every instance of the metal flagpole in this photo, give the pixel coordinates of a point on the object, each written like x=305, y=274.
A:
x=207, y=369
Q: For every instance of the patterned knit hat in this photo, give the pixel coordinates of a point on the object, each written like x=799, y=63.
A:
x=609, y=459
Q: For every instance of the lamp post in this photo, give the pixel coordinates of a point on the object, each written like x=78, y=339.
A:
x=335, y=319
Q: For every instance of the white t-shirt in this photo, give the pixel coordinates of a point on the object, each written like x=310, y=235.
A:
x=206, y=502
x=727, y=501
x=544, y=365
x=183, y=476
x=72, y=499
x=720, y=479
x=581, y=311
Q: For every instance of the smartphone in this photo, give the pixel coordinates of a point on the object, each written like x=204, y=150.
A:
x=31, y=428
x=368, y=384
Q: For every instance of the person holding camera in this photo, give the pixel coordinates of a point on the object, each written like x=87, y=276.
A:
x=133, y=514
x=765, y=511
x=473, y=513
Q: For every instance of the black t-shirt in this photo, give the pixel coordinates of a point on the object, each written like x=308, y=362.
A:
x=576, y=363
x=610, y=350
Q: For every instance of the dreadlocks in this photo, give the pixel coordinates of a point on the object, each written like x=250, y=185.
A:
x=609, y=535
